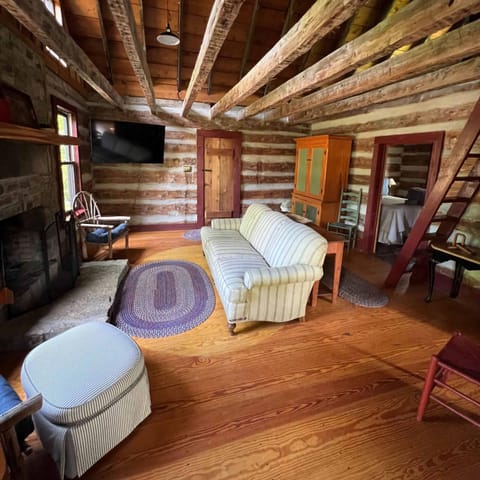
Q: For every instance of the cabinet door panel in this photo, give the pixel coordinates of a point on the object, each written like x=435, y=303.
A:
x=311, y=213
x=316, y=174
x=302, y=170
x=298, y=208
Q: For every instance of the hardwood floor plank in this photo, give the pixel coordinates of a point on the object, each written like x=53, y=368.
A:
x=334, y=397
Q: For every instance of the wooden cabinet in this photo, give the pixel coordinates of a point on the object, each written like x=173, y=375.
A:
x=321, y=171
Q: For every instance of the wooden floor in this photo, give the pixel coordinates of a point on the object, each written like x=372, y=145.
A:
x=334, y=398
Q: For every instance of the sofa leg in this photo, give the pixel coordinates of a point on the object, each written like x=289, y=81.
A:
x=302, y=319
x=231, y=328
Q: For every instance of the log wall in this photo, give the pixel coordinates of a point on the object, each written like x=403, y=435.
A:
x=446, y=109
x=166, y=195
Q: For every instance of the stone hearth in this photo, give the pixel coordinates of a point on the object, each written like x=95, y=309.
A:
x=91, y=299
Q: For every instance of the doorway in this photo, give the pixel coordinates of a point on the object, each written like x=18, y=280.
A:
x=218, y=176
x=393, y=183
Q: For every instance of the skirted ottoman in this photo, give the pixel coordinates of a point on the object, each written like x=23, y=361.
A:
x=95, y=392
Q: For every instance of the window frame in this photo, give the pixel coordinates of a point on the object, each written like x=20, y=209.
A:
x=60, y=107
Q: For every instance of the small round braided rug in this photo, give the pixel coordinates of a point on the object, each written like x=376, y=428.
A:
x=161, y=299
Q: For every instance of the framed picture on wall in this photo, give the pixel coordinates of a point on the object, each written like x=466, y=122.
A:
x=16, y=107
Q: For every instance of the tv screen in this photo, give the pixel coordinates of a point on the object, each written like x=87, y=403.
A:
x=126, y=142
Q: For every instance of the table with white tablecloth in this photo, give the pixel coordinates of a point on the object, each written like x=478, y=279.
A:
x=396, y=219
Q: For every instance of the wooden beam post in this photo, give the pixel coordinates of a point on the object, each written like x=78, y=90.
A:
x=411, y=23
x=222, y=16
x=319, y=20
x=444, y=50
x=36, y=18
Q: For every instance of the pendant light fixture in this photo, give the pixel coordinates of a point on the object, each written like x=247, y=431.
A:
x=167, y=37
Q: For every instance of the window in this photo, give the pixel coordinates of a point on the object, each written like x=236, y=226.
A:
x=68, y=155
x=54, y=8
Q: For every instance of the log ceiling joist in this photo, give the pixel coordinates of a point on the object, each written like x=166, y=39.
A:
x=391, y=33
x=123, y=15
x=36, y=18
x=248, y=44
x=445, y=50
x=466, y=71
x=286, y=26
x=106, y=49
x=320, y=19
x=222, y=16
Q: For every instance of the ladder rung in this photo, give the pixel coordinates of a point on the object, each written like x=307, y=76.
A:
x=444, y=218
x=456, y=200
x=467, y=178
x=473, y=155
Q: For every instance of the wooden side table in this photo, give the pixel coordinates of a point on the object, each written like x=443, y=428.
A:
x=335, y=247
x=464, y=259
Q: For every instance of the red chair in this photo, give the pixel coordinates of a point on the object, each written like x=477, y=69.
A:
x=460, y=356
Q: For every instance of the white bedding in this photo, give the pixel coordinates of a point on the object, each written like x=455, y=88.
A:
x=396, y=218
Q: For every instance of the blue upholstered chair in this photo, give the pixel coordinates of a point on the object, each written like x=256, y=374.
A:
x=95, y=228
x=15, y=426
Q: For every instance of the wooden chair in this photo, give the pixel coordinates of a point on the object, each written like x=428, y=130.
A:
x=348, y=217
x=460, y=356
x=15, y=425
x=95, y=228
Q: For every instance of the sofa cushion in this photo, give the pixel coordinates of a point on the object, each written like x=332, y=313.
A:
x=268, y=228
x=251, y=217
x=297, y=245
x=230, y=273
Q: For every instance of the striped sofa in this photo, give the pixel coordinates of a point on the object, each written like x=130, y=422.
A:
x=264, y=265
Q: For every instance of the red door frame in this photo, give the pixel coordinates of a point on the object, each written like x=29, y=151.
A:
x=378, y=169
x=237, y=158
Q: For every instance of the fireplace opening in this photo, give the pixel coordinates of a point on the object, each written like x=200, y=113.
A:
x=39, y=259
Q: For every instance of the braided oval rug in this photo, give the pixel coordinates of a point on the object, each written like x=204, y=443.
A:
x=161, y=299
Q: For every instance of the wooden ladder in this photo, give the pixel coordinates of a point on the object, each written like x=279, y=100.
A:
x=457, y=185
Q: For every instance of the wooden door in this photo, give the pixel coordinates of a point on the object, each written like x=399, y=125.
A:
x=218, y=175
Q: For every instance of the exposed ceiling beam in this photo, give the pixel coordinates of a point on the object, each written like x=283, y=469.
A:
x=466, y=71
x=286, y=26
x=106, y=50
x=319, y=20
x=179, y=48
x=36, y=18
x=409, y=24
x=222, y=16
x=123, y=15
x=444, y=50
x=248, y=43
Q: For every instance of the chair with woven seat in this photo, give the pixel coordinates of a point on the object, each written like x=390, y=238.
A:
x=95, y=228
x=348, y=217
x=460, y=356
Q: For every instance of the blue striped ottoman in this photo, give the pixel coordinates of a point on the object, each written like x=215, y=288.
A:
x=95, y=392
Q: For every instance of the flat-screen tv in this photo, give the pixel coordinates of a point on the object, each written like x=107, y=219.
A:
x=126, y=142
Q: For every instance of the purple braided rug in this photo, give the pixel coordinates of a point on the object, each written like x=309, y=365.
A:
x=161, y=299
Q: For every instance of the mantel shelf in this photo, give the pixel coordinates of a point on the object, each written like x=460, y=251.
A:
x=10, y=131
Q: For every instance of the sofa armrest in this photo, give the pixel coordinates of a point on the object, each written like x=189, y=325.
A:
x=226, y=223
x=280, y=275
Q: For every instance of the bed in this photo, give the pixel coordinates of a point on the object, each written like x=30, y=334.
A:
x=396, y=219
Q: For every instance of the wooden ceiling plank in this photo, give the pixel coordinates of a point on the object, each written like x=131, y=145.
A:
x=123, y=16
x=414, y=21
x=37, y=19
x=248, y=43
x=106, y=48
x=222, y=16
x=466, y=71
x=318, y=21
x=442, y=51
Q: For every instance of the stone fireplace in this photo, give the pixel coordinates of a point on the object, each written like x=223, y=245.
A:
x=38, y=255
